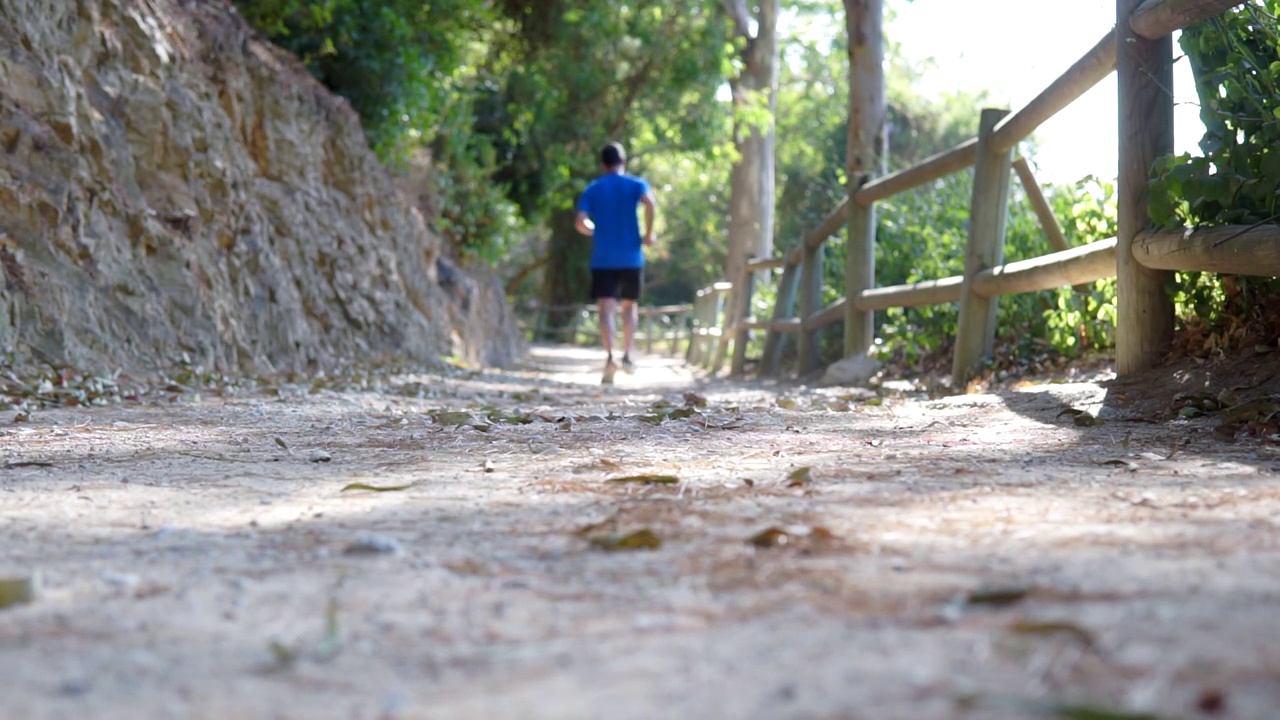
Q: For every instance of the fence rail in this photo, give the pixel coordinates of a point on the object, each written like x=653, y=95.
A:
x=1139, y=49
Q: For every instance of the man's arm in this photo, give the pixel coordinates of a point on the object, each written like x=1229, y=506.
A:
x=650, y=211
x=584, y=225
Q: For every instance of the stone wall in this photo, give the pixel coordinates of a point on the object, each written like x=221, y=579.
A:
x=170, y=185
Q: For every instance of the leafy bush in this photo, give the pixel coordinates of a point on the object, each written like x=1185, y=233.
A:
x=1235, y=59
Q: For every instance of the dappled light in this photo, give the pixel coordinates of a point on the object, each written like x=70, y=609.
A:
x=450, y=562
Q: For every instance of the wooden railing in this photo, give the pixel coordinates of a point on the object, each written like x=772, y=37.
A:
x=1139, y=50
x=664, y=328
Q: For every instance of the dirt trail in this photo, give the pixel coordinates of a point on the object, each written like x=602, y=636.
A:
x=970, y=557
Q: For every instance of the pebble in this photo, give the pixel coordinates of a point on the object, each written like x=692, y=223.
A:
x=319, y=456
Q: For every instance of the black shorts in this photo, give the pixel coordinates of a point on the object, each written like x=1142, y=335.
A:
x=624, y=283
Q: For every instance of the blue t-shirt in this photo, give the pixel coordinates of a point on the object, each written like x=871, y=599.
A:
x=611, y=203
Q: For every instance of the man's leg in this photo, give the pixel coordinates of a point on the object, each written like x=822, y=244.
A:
x=629, y=314
x=629, y=285
x=608, y=310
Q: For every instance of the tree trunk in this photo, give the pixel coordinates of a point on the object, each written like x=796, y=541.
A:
x=567, y=278
x=867, y=158
x=751, y=202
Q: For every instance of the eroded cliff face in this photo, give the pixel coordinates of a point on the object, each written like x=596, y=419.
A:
x=170, y=184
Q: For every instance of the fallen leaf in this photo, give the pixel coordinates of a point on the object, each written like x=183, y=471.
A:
x=376, y=488
x=1087, y=712
x=27, y=463
x=371, y=544
x=644, y=539
x=1027, y=627
x=821, y=534
x=647, y=479
x=280, y=441
x=998, y=596
x=460, y=418
x=785, y=403
x=693, y=399
x=16, y=591
x=1212, y=701
x=770, y=538
x=1120, y=463
x=285, y=657
x=1252, y=410
x=799, y=477
x=674, y=414
x=1084, y=419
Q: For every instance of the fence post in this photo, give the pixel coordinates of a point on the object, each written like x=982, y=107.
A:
x=539, y=324
x=723, y=315
x=988, y=212
x=740, y=331
x=1144, y=74
x=648, y=332
x=733, y=313
x=691, y=323
x=782, y=310
x=808, y=341
x=701, y=323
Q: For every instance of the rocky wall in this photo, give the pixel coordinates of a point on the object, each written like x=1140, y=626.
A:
x=171, y=185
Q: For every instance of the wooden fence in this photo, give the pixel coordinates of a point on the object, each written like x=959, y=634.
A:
x=1139, y=50
x=667, y=327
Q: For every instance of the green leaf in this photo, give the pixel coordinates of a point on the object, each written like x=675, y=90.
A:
x=16, y=591
x=800, y=477
x=1029, y=627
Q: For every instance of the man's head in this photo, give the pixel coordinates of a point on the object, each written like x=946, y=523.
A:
x=612, y=156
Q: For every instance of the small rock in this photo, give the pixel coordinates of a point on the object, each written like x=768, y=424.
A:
x=370, y=544
x=319, y=456
x=856, y=370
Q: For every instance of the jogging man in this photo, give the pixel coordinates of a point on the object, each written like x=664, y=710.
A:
x=607, y=214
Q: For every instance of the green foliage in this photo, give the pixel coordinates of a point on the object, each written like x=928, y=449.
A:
x=409, y=69
x=922, y=235
x=1235, y=59
x=392, y=59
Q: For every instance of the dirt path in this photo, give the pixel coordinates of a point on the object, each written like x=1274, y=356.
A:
x=970, y=557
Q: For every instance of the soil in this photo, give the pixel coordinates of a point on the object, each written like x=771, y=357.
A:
x=821, y=553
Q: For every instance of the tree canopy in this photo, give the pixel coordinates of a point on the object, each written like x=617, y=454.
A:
x=510, y=100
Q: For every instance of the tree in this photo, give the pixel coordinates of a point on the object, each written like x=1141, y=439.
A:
x=755, y=99
x=579, y=73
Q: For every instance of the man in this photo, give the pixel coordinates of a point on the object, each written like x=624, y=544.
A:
x=607, y=214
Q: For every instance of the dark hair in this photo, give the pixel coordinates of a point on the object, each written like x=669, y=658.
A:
x=613, y=155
